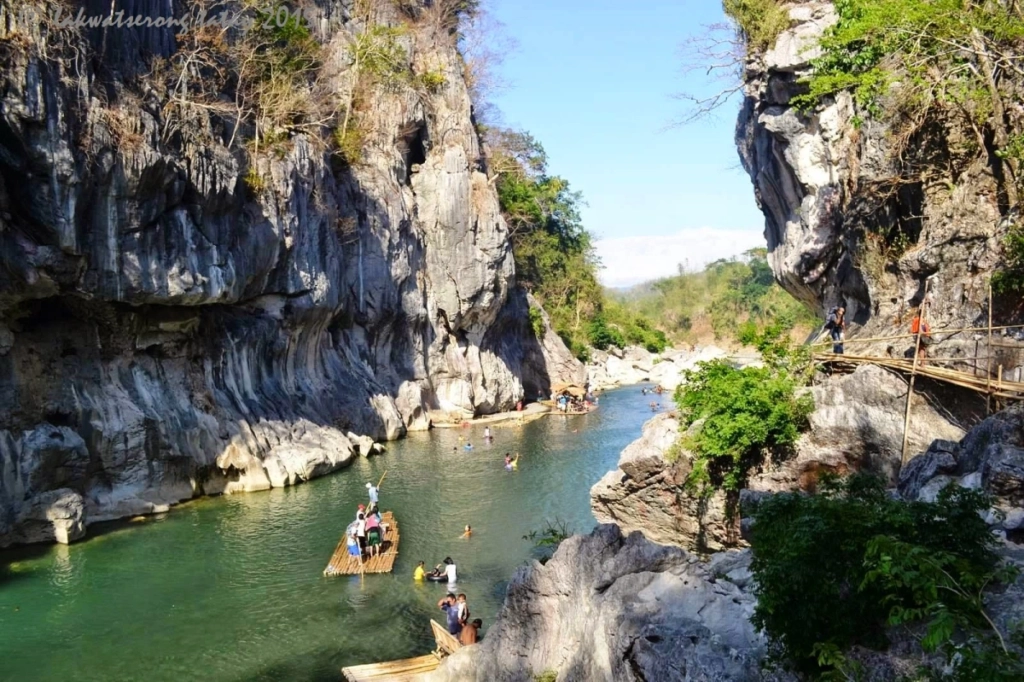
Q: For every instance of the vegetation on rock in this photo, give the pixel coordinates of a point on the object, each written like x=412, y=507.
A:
x=761, y=21
x=740, y=417
x=833, y=570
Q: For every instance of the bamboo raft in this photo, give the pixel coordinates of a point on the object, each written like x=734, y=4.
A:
x=556, y=412
x=405, y=670
x=408, y=669
x=343, y=563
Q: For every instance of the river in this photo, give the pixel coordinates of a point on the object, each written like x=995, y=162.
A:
x=230, y=589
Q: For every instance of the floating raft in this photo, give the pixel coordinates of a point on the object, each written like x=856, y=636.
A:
x=343, y=563
x=407, y=669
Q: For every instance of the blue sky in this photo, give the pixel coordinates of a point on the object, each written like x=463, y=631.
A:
x=593, y=80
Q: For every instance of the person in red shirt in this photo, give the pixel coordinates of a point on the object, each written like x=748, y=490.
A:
x=920, y=328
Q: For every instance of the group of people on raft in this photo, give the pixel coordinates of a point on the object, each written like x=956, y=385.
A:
x=365, y=535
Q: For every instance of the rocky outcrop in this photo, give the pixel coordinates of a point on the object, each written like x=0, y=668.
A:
x=648, y=493
x=169, y=330
x=990, y=457
x=857, y=426
x=635, y=365
x=620, y=609
x=841, y=225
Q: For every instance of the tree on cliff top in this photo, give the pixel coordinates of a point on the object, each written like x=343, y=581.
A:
x=720, y=52
x=554, y=253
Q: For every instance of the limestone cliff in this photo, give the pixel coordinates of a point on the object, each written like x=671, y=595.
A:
x=843, y=223
x=168, y=329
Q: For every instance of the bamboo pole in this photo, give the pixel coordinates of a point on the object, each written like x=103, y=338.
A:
x=913, y=372
x=988, y=372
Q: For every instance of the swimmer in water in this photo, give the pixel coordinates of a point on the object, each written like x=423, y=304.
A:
x=469, y=446
x=468, y=533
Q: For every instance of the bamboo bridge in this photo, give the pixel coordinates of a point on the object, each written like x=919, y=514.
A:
x=983, y=371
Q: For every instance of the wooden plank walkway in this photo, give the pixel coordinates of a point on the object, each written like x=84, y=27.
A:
x=405, y=670
x=343, y=563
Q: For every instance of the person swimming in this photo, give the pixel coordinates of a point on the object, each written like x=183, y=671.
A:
x=508, y=462
x=469, y=446
x=469, y=531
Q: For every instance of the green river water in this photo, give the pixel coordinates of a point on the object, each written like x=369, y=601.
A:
x=231, y=589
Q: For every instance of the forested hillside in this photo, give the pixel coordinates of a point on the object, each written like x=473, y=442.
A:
x=554, y=252
x=714, y=304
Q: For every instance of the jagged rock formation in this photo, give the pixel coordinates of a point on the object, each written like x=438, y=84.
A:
x=830, y=192
x=857, y=425
x=168, y=331
x=989, y=457
x=613, y=608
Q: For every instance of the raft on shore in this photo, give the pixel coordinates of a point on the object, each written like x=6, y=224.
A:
x=555, y=411
x=343, y=563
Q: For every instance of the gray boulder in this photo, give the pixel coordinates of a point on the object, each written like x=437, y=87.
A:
x=608, y=608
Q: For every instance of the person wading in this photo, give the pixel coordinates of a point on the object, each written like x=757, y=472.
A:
x=451, y=610
x=470, y=632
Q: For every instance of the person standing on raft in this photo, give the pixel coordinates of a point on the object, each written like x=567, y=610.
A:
x=374, y=494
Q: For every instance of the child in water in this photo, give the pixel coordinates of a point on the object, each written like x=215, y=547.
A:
x=469, y=532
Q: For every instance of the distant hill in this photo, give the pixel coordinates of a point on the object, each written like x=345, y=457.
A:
x=713, y=304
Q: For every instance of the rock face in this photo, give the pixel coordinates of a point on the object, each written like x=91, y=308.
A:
x=648, y=493
x=636, y=365
x=857, y=425
x=619, y=609
x=989, y=457
x=168, y=330
x=828, y=191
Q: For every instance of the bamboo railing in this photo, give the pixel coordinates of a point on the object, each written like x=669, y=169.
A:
x=933, y=367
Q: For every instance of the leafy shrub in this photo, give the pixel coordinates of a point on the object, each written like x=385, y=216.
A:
x=349, y=145
x=1010, y=278
x=746, y=414
x=537, y=322
x=832, y=570
x=432, y=81
x=761, y=21
x=254, y=181
x=603, y=336
x=547, y=539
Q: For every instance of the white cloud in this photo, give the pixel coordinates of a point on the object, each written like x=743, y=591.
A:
x=631, y=260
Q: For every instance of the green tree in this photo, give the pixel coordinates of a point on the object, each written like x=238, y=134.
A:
x=832, y=570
